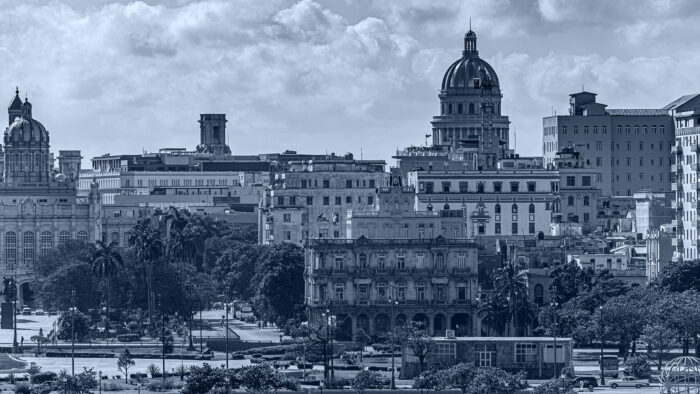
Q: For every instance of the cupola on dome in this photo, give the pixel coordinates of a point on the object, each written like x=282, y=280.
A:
x=470, y=71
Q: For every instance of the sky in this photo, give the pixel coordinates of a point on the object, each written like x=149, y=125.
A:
x=360, y=76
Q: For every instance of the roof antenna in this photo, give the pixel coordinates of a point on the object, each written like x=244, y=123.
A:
x=470, y=23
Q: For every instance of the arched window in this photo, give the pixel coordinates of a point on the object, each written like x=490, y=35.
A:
x=28, y=247
x=539, y=294
x=46, y=243
x=82, y=236
x=531, y=208
x=63, y=238
x=497, y=208
x=460, y=108
x=514, y=208
x=401, y=291
x=471, y=108
x=126, y=238
x=570, y=200
x=10, y=250
x=114, y=238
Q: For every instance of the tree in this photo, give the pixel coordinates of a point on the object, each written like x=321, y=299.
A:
x=679, y=276
x=106, y=261
x=124, y=362
x=495, y=313
x=567, y=280
x=365, y=380
x=362, y=339
x=626, y=316
x=462, y=376
x=490, y=380
x=262, y=378
x=417, y=338
x=145, y=240
x=281, y=282
x=682, y=316
x=511, y=283
x=80, y=323
x=206, y=379
x=660, y=340
x=638, y=366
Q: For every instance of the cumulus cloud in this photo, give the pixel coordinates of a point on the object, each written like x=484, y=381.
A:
x=315, y=75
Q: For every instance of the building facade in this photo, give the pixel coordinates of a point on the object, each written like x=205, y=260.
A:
x=310, y=199
x=630, y=147
x=685, y=168
x=39, y=207
x=579, y=190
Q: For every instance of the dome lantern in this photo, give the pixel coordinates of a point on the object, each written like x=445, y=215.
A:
x=470, y=42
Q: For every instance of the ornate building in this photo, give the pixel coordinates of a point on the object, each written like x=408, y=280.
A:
x=39, y=207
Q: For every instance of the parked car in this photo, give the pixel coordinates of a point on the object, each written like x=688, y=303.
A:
x=53, y=312
x=40, y=312
x=629, y=381
x=26, y=311
x=588, y=381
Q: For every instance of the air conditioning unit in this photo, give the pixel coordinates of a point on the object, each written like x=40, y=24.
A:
x=450, y=334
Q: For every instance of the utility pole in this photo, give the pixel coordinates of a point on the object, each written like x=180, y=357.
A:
x=602, y=372
x=14, y=314
x=392, y=300
x=226, y=328
x=554, y=306
x=201, y=345
x=162, y=330
x=72, y=325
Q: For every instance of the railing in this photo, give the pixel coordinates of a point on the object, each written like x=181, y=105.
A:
x=406, y=241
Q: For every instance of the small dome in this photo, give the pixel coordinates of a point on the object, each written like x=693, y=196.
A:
x=470, y=34
x=60, y=178
x=26, y=130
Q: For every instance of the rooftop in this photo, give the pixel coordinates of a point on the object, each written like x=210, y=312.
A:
x=636, y=112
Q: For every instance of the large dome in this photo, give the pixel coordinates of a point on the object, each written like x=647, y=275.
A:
x=463, y=72
x=26, y=130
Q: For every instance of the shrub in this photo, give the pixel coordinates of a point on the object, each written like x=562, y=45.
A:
x=44, y=388
x=22, y=388
x=42, y=377
x=160, y=385
x=129, y=337
x=365, y=380
x=153, y=370
x=555, y=386
x=112, y=386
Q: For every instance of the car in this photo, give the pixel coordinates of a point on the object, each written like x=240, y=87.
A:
x=26, y=311
x=53, y=312
x=588, y=381
x=629, y=381
x=40, y=312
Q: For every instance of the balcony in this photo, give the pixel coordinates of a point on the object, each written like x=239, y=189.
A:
x=676, y=204
x=694, y=242
x=696, y=148
x=675, y=222
x=674, y=186
x=678, y=168
x=677, y=242
x=677, y=149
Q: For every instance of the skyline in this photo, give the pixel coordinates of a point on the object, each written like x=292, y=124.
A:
x=302, y=75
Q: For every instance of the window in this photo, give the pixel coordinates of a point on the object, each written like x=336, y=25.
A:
x=497, y=187
x=381, y=291
x=563, y=129
x=420, y=291
x=531, y=187
x=47, y=242
x=514, y=187
x=63, y=237
x=287, y=217
x=480, y=187
x=514, y=208
x=570, y=181
x=440, y=261
x=348, y=200
x=338, y=201
x=570, y=201
x=400, y=291
x=363, y=261
x=497, y=228
x=339, y=262
x=114, y=237
x=531, y=228
x=485, y=358
x=381, y=261
x=461, y=292
x=446, y=187
x=440, y=292
x=497, y=208
x=514, y=228
x=463, y=187
x=326, y=201
x=586, y=201
x=280, y=200
x=525, y=352
x=28, y=247
x=10, y=250
x=401, y=261
x=370, y=200
x=348, y=184
x=339, y=291
x=585, y=180
x=326, y=184
x=363, y=293
x=461, y=260
x=539, y=294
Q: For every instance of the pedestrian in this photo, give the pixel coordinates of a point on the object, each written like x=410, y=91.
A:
x=21, y=341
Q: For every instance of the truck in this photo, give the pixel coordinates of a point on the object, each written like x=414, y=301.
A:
x=611, y=365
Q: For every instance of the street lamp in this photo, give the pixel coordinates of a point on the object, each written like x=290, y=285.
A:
x=393, y=301
x=602, y=372
x=554, y=306
x=72, y=329
x=226, y=327
x=100, y=375
x=328, y=344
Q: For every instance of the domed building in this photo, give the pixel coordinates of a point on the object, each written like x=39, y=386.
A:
x=470, y=119
x=39, y=206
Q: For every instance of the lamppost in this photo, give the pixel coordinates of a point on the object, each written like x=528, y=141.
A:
x=100, y=375
x=72, y=329
x=14, y=314
x=602, y=372
x=226, y=327
x=162, y=331
x=328, y=316
x=201, y=345
x=393, y=301
x=554, y=305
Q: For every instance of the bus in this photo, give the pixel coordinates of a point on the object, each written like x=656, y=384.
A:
x=610, y=366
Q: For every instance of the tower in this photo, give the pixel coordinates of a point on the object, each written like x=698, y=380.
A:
x=213, y=134
x=69, y=163
x=14, y=110
x=470, y=108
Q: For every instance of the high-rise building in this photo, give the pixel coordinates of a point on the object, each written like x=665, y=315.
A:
x=630, y=147
x=686, y=167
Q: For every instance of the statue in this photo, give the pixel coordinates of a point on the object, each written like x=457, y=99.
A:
x=9, y=289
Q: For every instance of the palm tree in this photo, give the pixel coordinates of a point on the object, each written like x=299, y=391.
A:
x=511, y=283
x=106, y=260
x=495, y=313
x=146, y=242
